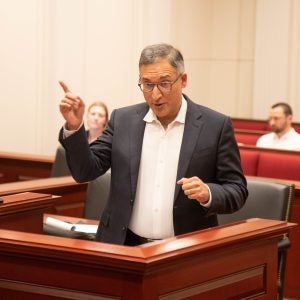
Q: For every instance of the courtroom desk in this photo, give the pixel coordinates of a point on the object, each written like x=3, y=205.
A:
x=226, y=262
x=292, y=278
x=24, y=211
x=72, y=194
x=19, y=166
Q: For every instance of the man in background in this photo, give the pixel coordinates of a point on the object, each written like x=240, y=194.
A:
x=174, y=164
x=283, y=135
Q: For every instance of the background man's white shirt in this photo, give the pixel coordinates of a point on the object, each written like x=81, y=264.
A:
x=289, y=141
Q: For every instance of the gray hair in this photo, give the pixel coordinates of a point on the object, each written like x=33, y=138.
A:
x=153, y=53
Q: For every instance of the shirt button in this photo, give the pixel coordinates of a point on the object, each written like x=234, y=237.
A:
x=124, y=228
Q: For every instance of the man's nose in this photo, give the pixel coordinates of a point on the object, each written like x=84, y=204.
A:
x=156, y=93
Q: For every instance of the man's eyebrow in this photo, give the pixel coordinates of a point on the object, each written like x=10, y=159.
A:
x=165, y=77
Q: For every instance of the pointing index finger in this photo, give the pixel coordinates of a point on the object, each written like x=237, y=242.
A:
x=64, y=87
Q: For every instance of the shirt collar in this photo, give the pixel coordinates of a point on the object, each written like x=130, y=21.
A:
x=180, y=118
x=289, y=134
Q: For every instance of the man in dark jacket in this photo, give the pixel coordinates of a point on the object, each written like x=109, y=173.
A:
x=174, y=164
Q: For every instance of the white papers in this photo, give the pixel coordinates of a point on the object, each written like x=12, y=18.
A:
x=86, y=228
x=59, y=224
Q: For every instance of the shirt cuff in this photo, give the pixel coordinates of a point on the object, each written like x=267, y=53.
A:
x=67, y=133
x=208, y=203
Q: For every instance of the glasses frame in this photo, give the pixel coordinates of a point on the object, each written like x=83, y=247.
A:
x=157, y=85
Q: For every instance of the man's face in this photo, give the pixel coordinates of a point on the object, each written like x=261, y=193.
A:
x=278, y=121
x=165, y=105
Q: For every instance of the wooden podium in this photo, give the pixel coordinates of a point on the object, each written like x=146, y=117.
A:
x=230, y=262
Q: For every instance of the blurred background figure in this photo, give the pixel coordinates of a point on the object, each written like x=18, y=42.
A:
x=96, y=120
x=283, y=135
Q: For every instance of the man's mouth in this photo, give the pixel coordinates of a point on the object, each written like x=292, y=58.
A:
x=158, y=104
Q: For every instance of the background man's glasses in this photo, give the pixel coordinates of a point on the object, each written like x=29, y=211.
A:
x=165, y=87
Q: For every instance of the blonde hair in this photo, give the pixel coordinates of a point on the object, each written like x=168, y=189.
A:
x=100, y=104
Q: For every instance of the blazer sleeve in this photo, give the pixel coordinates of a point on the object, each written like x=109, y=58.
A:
x=87, y=161
x=229, y=191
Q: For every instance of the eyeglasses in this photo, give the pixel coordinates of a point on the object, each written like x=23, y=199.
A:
x=165, y=87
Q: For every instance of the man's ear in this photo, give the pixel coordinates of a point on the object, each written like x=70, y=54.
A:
x=184, y=80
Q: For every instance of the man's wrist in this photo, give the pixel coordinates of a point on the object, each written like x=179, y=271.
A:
x=68, y=132
x=72, y=127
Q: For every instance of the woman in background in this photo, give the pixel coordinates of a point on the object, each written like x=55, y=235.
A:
x=96, y=119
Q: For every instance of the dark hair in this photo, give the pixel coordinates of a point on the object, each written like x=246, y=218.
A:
x=286, y=108
x=153, y=53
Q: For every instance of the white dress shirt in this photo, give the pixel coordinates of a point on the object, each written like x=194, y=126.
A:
x=152, y=215
x=289, y=141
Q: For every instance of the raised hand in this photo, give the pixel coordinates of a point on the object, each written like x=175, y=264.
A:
x=72, y=108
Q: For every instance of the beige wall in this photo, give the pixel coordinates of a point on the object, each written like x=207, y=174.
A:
x=217, y=38
x=241, y=56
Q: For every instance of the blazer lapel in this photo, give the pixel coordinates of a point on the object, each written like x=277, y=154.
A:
x=192, y=129
x=136, y=136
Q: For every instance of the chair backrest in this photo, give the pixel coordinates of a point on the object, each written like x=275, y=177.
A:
x=60, y=167
x=267, y=200
x=96, y=196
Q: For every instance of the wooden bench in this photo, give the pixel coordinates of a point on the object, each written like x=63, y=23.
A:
x=272, y=163
x=248, y=137
x=21, y=166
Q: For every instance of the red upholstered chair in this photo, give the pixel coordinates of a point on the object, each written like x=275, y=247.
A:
x=279, y=165
x=249, y=160
x=246, y=138
x=297, y=127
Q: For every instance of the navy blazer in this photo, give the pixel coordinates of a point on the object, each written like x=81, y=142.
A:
x=208, y=150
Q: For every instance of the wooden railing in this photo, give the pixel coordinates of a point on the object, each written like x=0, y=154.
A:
x=72, y=194
x=20, y=166
x=255, y=124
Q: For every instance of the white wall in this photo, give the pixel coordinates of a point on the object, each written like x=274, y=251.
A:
x=241, y=56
